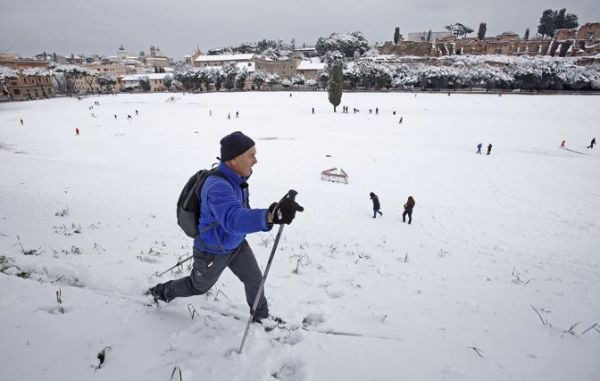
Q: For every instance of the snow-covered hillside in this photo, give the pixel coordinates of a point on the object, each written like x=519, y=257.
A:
x=497, y=278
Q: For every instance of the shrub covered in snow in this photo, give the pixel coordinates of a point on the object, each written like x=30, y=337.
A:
x=492, y=72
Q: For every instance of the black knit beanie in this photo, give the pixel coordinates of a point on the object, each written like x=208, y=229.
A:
x=235, y=144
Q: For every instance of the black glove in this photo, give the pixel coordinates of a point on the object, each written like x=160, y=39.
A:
x=284, y=211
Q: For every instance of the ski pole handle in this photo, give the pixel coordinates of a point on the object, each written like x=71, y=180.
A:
x=291, y=194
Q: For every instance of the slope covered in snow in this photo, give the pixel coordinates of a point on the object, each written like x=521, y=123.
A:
x=497, y=278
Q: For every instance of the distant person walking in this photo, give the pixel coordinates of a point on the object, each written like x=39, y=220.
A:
x=313, y=110
x=562, y=144
x=21, y=120
x=479, y=148
x=408, y=209
x=592, y=143
x=77, y=131
x=376, y=205
x=400, y=121
x=489, y=148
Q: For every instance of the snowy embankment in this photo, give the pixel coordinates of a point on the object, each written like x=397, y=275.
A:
x=497, y=278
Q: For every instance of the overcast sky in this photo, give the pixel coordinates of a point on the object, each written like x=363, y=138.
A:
x=178, y=26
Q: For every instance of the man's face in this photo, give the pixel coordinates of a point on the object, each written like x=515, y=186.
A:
x=243, y=164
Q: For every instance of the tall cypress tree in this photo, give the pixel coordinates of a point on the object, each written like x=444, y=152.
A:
x=334, y=85
x=482, y=30
x=396, y=35
x=526, y=34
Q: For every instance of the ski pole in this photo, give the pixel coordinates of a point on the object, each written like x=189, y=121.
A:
x=292, y=195
x=179, y=263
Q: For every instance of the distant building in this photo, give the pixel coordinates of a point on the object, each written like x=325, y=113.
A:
x=157, y=58
x=84, y=84
x=25, y=84
x=309, y=69
x=307, y=52
x=15, y=61
x=116, y=69
x=24, y=78
x=283, y=68
x=422, y=36
x=133, y=81
x=220, y=60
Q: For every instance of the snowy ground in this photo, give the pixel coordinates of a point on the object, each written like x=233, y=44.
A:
x=488, y=283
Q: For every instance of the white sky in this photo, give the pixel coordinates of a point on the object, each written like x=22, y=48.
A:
x=69, y=26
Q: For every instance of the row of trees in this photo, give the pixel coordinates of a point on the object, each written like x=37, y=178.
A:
x=521, y=73
x=230, y=77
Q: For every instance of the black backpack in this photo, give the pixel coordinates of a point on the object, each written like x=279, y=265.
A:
x=188, y=204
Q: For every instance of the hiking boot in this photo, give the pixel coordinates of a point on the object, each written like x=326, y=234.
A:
x=270, y=322
x=260, y=316
x=155, y=294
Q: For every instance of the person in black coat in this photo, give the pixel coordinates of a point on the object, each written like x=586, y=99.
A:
x=376, y=205
x=408, y=209
x=590, y=146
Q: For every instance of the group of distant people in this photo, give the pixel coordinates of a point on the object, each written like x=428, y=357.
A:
x=408, y=207
x=237, y=114
x=592, y=143
x=345, y=110
x=489, y=148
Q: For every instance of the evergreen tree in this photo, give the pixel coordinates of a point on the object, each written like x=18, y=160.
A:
x=168, y=81
x=240, y=79
x=547, y=23
x=346, y=43
x=106, y=80
x=396, y=35
x=560, y=18
x=335, y=82
x=552, y=20
x=571, y=21
x=230, y=71
x=526, y=37
x=459, y=29
x=145, y=83
x=259, y=78
x=482, y=30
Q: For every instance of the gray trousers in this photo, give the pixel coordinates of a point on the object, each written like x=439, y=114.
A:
x=207, y=269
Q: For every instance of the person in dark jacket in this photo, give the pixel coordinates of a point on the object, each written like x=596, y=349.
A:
x=225, y=219
x=489, y=148
x=408, y=209
x=376, y=205
x=592, y=143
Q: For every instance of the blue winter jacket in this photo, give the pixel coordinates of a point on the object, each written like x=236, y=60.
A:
x=225, y=216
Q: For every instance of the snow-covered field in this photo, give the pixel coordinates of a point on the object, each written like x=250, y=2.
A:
x=498, y=277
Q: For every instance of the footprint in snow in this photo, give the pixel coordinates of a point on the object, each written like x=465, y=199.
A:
x=290, y=370
x=334, y=294
x=313, y=319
